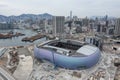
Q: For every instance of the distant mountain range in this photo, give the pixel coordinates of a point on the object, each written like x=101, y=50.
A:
x=25, y=17
x=35, y=17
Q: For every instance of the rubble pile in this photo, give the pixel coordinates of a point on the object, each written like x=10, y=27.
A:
x=13, y=59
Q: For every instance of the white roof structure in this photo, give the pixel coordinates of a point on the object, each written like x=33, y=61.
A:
x=87, y=50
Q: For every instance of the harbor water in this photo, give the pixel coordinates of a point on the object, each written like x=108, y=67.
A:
x=16, y=41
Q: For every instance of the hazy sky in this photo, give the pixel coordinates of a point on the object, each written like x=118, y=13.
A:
x=80, y=8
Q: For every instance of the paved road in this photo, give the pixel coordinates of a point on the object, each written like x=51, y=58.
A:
x=5, y=75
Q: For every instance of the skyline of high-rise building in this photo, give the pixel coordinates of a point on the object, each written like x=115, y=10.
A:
x=58, y=25
x=70, y=15
x=117, y=27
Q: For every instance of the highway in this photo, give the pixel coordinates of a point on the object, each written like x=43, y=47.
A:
x=4, y=75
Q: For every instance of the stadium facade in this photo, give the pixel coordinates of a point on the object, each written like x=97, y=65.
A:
x=69, y=54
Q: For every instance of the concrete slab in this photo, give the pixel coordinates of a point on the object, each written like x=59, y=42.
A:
x=24, y=68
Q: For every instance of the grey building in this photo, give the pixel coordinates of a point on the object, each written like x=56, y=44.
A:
x=4, y=26
x=101, y=28
x=58, y=25
x=117, y=27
